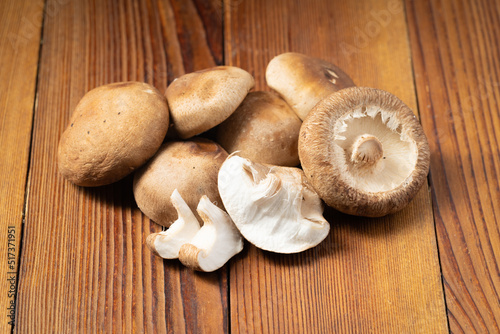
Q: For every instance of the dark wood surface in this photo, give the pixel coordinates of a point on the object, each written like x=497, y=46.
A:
x=81, y=263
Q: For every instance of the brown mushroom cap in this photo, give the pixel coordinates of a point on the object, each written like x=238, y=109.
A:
x=191, y=167
x=263, y=129
x=364, y=152
x=303, y=81
x=114, y=129
x=201, y=100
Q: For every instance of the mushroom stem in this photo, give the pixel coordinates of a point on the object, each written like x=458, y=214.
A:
x=366, y=150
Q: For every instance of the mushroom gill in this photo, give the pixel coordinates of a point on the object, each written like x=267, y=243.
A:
x=377, y=155
x=364, y=152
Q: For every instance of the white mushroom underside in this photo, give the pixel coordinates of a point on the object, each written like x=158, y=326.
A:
x=168, y=243
x=272, y=209
x=399, y=151
x=218, y=240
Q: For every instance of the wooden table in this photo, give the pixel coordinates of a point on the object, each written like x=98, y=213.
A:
x=77, y=257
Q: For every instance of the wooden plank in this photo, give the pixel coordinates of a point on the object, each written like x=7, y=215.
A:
x=20, y=24
x=458, y=93
x=370, y=275
x=85, y=265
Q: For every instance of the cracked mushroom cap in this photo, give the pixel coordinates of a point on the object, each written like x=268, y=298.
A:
x=167, y=244
x=275, y=208
x=191, y=167
x=215, y=243
x=303, y=81
x=263, y=129
x=364, y=152
x=201, y=100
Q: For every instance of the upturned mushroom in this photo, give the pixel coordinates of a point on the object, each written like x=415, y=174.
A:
x=201, y=100
x=303, y=81
x=274, y=208
x=263, y=129
x=191, y=167
x=114, y=129
x=364, y=152
x=215, y=243
x=167, y=244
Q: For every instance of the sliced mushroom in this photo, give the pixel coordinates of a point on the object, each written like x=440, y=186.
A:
x=303, y=81
x=215, y=243
x=274, y=207
x=263, y=129
x=201, y=100
x=364, y=152
x=191, y=167
x=168, y=243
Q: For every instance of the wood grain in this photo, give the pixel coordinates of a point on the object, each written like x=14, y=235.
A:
x=85, y=266
x=21, y=22
x=458, y=93
x=370, y=275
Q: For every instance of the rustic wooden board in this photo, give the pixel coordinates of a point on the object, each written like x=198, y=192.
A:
x=370, y=275
x=20, y=26
x=458, y=86
x=84, y=263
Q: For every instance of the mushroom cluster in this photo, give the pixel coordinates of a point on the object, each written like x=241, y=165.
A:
x=215, y=163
